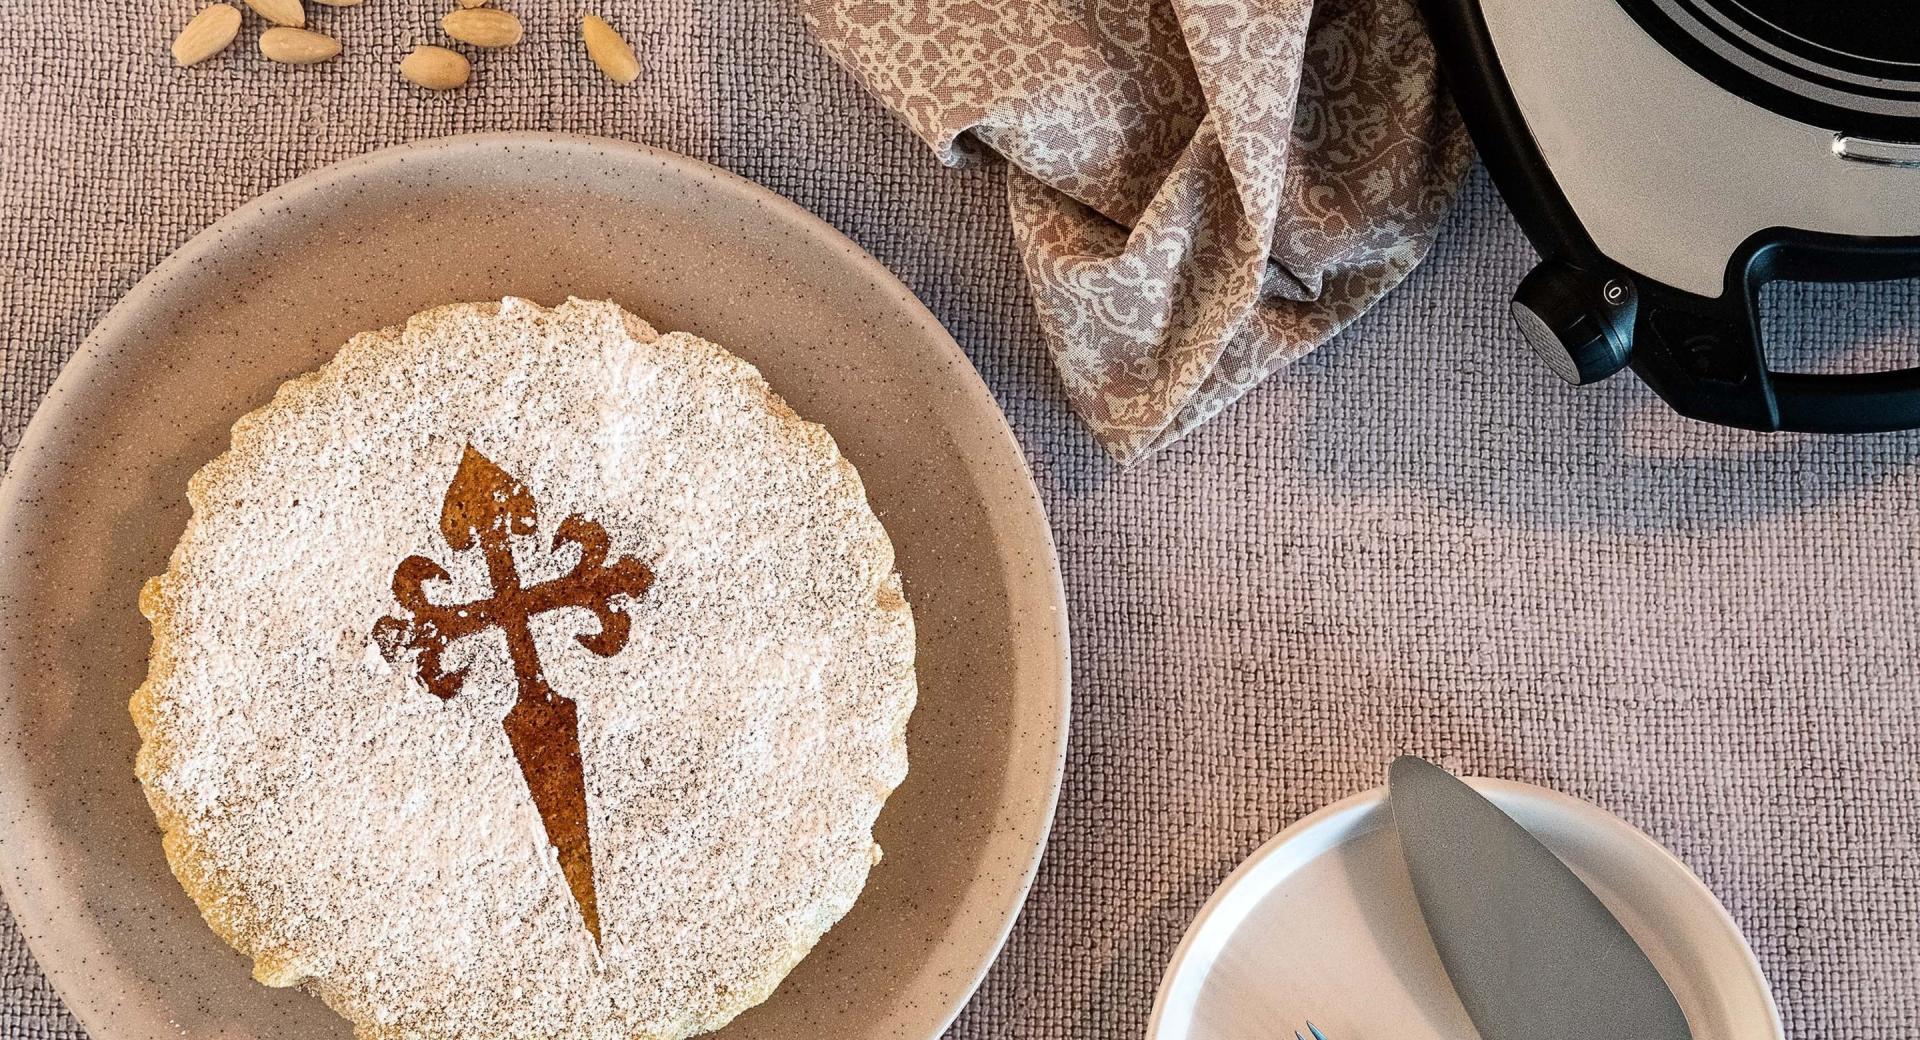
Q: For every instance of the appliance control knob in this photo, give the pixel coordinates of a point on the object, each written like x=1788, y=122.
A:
x=1578, y=322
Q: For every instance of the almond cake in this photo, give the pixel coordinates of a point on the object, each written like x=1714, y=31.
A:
x=526, y=673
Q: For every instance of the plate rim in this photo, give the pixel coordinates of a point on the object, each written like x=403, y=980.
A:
x=1350, y=810
x=14, y=803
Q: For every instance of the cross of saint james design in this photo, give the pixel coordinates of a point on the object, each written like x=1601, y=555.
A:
x=486, y=507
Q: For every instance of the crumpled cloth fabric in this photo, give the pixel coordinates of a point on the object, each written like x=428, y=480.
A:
x=1202, y=191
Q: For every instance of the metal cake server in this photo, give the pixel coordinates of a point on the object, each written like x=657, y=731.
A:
x=1532, y=952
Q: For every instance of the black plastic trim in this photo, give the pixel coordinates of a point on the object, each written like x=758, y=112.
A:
x=1472, y=71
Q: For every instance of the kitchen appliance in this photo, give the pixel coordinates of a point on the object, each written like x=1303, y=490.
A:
x=1531, y=951
x=1670, y=157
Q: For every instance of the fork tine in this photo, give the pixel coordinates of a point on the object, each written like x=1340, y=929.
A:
x=1315, y=1030
x=1297, y=1036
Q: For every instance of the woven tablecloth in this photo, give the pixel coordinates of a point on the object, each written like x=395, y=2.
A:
x=1414, y=541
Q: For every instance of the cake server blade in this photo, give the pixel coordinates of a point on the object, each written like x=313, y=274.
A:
x=1532, y=952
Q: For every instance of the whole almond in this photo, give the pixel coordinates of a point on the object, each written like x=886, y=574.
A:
x=609, y=50
x=435, y=68
x=207, y=34
x=340, y=3
x=482, y=27
x=280, y=12
x=297, y=46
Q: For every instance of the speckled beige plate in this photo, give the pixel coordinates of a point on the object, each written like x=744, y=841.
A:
x=94, y=501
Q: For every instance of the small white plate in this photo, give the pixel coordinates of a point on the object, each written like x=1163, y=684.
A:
x=1322, y=923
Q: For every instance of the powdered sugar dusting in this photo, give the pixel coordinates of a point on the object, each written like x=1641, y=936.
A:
x=352, y=832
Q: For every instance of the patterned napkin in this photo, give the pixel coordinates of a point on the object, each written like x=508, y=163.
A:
x=1202, y=191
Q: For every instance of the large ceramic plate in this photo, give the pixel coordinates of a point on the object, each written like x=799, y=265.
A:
x=94, y=502
x=1321, y=923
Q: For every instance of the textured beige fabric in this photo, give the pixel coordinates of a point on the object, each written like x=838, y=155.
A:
x=1202, y=190
x=1414, y=541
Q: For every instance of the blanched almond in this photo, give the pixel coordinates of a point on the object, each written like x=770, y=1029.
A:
x=280, y=12
x=436, y=68
x=207, y=34
x=609, y=50
x=297, y=46
x=482, y=27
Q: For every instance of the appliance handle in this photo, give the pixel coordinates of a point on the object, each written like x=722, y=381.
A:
x=1706, y=357
x=1869, y=402
x=1866, y=402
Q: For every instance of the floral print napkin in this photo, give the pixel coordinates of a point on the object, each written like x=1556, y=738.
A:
x=1202, y=191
